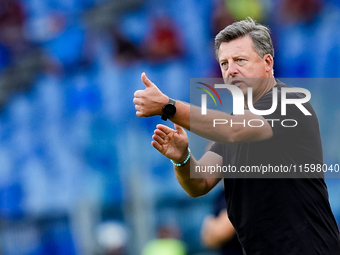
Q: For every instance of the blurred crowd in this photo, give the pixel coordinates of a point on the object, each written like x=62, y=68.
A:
x=77, y=172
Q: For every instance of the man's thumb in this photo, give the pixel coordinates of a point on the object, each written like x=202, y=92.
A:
x=179, y=129
x=146, y=81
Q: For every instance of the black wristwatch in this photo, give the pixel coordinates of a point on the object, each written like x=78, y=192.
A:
x=169, y=109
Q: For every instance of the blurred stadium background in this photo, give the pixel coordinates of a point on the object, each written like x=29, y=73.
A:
x=78, y=174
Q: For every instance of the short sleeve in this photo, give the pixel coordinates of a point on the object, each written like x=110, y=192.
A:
x=227, y=151
x=217, y=148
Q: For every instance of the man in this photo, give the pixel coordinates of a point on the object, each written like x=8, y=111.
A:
x=270, y=216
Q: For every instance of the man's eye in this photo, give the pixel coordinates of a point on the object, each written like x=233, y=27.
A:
x=241, y=61
x=224, y=64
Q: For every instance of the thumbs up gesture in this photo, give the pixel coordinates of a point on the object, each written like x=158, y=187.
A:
x=150, y=101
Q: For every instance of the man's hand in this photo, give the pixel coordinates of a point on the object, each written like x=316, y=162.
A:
x=171, y=143
x=150, y=101
x=217, y=230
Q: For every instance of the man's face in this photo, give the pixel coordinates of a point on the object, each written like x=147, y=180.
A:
x=239, y=62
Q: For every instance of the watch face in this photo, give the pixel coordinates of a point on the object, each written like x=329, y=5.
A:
x=169, y=110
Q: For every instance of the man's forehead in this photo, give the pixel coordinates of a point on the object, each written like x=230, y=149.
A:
x=240, y=46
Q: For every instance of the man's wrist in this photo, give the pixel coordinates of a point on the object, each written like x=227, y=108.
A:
x=182, y=161
x=163, y=101
x=169, y=109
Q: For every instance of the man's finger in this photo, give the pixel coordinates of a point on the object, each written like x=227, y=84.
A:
x=146, y=81
x=158, y=139
x=164, y=128
x=156, y=145
x=137, y=93
x=160, y=133
x=136, y=101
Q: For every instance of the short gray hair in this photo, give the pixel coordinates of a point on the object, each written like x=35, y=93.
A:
x=258, y=33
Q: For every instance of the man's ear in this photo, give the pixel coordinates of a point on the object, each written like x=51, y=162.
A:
x=269, y=62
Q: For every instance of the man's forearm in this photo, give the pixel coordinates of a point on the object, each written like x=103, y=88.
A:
x=195, y=187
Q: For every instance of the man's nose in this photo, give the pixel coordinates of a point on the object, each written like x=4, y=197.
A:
x=232, y=70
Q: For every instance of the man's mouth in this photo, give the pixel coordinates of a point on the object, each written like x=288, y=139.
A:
x=236, y=83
